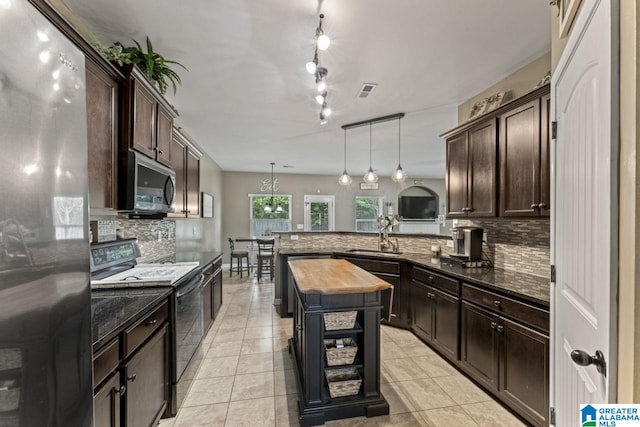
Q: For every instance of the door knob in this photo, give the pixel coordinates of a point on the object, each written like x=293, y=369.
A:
x=582, y=358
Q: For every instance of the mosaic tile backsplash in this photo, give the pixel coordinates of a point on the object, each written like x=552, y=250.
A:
x=157, y=238
x=521, y=246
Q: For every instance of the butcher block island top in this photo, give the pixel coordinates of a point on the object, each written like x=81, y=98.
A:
x=334, y=276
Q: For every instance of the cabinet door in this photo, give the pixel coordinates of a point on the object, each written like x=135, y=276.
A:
x=446, y=311
x=520, y=160
x=479, y=344
x=147, y=381
x=106, y=403
x=390, y=313
x=102, y=139
x=208, y=304
x=483, y=184
x=422, y=312
x=524, y=370
x=217, y=294
x=545, y=158
x=456, y=177
x=193, y=185
x=144, y=121
x=178, y=164
x=164, y=136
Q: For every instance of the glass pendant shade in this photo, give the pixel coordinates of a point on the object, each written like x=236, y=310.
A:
x=279, y=208
x=370, y=177
x=311, y=67
x=345, y=179
x=399, y=175
x=267, y=208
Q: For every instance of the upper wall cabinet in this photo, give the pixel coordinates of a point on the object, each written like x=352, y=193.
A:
x=471, y=172
x=524, y=160
x=102, y=136
x=186, y=163
x=147, y=119
x=510, y=143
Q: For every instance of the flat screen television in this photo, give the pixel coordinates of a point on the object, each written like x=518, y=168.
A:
x=417, y=207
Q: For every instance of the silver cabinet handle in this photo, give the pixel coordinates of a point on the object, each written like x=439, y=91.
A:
x=121, y=391
x=500, y=328
x=493, y=325
x=131, y=378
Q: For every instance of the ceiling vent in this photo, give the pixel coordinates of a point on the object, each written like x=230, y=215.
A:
x=366, y=90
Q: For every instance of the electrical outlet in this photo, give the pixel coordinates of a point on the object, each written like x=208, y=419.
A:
x=294, y=237
x=450, y=243
x=299, y=226
x=484, y=237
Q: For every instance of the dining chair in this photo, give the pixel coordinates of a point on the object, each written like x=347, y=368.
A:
x=266, y=257
x=238, y=256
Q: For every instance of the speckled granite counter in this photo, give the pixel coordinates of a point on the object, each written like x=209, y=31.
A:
x=530, y=288
x=203, y=258
x=115, y=309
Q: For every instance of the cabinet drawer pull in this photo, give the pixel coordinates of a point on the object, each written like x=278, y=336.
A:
x=152, y=322
x=493, y=325
x=534, y=205
x=500, y=328
x=131, y=378
x=159, y=151
x=542, y=205
x=496, y=303
x=121, y=391
x=469, y=209
x=431, y=278
x=393, y=315
x=430, y=295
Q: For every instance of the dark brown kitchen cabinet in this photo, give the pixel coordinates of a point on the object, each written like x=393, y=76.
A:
x=208, y=315
x=147, y=119
x=393, y=313
x=506, y=356
x=106, y=403
x=524, y=160
x=471, y=178
x=217, y=288
x=131, y=373
x=147, y=381
x=102, y=136
x=435, y=309
x=186, y=164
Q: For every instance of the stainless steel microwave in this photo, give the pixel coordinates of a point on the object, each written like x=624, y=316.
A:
x=147, y=187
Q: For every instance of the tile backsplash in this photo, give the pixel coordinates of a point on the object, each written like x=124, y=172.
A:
x=514, y=245
x=157, y=238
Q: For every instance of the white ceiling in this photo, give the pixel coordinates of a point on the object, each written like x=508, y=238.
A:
x=248, y=100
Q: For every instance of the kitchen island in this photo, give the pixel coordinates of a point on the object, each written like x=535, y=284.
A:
x=336, y=302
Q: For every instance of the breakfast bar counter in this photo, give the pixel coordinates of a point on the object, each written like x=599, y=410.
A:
x=336, y=340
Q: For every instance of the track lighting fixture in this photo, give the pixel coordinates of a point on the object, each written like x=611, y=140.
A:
x=321, y=97
x=322, y=40
x=323, y=118
x=312, y=65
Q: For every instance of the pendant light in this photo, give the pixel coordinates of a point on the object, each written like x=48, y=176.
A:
x=345, y=179
x=370, y=177
x=399, y=175
x=268, y=208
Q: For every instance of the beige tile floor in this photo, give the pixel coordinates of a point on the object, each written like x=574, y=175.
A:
x=246, y=378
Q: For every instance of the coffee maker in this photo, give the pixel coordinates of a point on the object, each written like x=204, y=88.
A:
x=467, y=243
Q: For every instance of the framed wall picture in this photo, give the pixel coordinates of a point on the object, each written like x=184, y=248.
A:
x=207, y=205
x=568, y=10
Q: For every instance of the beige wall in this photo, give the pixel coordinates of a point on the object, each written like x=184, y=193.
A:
x=629, y=244
x=238, y=185
x=518, y=83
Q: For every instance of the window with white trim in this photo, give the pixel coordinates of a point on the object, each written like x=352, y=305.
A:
x=265, y=223
x=368, y=209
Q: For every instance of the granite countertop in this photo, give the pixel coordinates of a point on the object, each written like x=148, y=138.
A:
x=531, y=288
x=202, y=257
x=115, y=309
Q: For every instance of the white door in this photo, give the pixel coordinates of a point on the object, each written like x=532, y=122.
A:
x=584, y=213
x=319, y=213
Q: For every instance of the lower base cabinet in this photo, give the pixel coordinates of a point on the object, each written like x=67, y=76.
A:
x=106, y=403
x=147, y=381
x=509, y=359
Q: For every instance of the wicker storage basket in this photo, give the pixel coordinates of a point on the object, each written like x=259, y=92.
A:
x=343, y=382
x=340, y=356
x=339, y=320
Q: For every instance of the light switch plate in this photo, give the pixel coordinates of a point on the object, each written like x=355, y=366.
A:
x=450, y=243
x=299, y=226
x=294, y=237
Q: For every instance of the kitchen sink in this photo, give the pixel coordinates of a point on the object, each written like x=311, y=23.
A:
x=374, y=252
